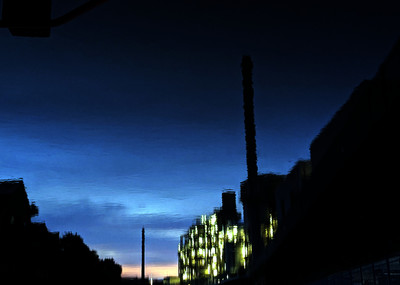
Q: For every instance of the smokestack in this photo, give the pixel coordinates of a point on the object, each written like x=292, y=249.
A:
x=229, y=202
x=250, y=128
x=143, y=239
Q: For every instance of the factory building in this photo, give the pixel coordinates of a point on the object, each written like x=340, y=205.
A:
x=332, y=219
x=216, y=247
x=260, y=211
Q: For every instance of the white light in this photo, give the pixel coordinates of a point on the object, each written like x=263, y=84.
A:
x=213, y=219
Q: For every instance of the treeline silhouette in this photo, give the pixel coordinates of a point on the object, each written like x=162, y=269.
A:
x=31, y=254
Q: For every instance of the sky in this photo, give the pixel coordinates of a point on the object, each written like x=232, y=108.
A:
x=131, y=115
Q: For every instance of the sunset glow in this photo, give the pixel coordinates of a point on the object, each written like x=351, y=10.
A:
x=157, y=271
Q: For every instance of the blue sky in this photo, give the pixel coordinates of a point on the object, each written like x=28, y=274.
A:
x=131, y=115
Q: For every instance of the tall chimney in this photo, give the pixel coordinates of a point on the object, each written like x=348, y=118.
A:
x=250, y=128
x=143, y=239
x=249, y=192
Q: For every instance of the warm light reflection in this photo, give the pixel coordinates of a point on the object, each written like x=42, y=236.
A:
x=156, y=271
x=270, y=228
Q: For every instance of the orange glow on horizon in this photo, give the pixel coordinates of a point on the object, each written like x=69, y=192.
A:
x=156, y=271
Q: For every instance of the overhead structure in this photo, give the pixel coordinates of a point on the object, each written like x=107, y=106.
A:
x=30, y=18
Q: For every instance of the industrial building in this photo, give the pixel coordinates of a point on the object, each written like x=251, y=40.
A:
x=216, y=247
x=331, y=220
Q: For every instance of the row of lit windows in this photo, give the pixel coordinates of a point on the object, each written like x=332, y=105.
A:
x=203, y=248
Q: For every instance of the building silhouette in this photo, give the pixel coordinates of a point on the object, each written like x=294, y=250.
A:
x=260, y=211
x=333, y=218
x=15, y=210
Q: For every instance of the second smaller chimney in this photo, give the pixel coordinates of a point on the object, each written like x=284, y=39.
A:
x=143, y=247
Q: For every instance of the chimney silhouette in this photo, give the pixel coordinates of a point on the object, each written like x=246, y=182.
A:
x=229, y=203
x=143, y=242
x=250, y=128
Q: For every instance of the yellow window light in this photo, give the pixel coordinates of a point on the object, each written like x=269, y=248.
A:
x=229, y=234
x=235, y=230
x=213, y=219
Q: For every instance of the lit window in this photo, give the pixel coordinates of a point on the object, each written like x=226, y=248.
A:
x=213, y=219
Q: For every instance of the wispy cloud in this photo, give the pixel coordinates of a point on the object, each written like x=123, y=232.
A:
x=166, y=233
x=112, y=231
